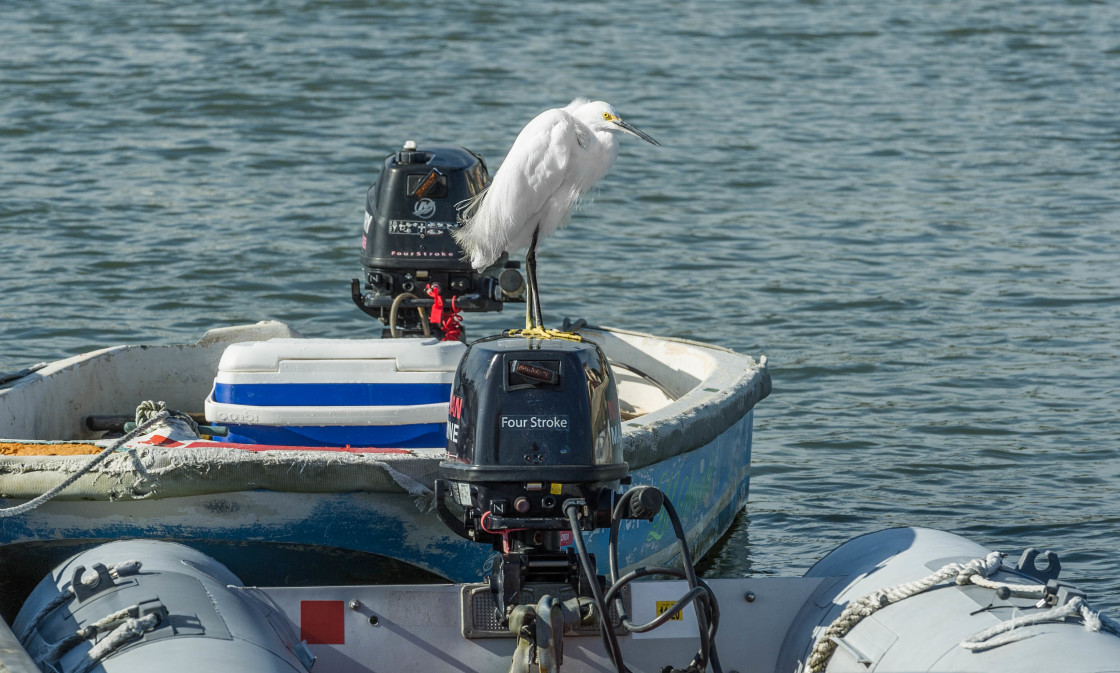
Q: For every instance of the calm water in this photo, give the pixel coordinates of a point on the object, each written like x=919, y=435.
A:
x=913, y=209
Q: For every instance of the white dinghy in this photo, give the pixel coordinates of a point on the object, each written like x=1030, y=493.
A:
x=688, y=410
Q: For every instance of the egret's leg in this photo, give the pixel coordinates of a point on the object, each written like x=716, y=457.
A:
x=534, y=317
x=530, y=281
x=534, y=298
x=528, y=312
x=528, y=296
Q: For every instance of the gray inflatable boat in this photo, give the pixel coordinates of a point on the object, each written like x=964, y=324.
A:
x=897, y=600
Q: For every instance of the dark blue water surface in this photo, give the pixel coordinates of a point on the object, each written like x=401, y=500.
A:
x=913, y=209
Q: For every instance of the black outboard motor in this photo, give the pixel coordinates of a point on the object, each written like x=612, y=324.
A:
x=533, y=425
x=534, y=443
x=407, y=245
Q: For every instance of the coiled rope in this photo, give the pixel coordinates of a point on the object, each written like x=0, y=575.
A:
x=446, y=315
x=148, y=408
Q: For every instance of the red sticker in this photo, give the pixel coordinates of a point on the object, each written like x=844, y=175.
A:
x=322, y=622
x=160, y=440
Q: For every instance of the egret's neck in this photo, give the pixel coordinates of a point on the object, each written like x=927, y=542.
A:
x=605, y=146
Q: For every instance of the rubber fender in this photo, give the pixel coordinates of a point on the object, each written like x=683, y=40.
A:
x=924, y=631
x=188, y=612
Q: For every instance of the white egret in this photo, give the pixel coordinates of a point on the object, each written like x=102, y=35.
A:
x=555, y=159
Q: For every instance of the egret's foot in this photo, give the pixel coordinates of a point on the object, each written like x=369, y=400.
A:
x=542, y=333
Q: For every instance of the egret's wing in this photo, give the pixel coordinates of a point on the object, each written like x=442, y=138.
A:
x=527, y=192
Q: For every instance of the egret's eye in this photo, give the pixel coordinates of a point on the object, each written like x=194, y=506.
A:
x=607, y=116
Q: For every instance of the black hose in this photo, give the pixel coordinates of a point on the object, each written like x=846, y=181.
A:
x=707, y=609
x=703, y=594
x=699, y=594
x=707, y=645
x=614, y=592
x=610, y=640
x=396, y=307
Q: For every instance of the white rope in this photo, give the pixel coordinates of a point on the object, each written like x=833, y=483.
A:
x=108, y=451
x=125, y=568
x=59, y=649
x=987, y=639
x=149, y=408
x=855, y=611
x=131, y=628
x=1025, y=590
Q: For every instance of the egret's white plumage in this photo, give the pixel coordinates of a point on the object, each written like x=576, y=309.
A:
x=555, y=159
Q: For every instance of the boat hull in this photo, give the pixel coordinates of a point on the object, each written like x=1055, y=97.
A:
x=254, y=507
x=708, y=486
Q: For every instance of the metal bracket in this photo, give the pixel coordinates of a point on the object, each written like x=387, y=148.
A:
x=85, y=588
x=1059, y=593
x=148, y=607
x=1027, y=566
x=480, y=619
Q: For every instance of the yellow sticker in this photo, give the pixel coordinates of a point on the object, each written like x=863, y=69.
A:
x=663, y=607
x=555, y=489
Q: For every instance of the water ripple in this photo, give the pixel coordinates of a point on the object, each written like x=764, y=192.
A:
x=910, y=208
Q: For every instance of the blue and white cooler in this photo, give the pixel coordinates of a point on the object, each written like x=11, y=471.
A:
x=387, y=393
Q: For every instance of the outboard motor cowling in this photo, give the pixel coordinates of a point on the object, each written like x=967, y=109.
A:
x=407, y=246
x=531, y=423
x=411, y=212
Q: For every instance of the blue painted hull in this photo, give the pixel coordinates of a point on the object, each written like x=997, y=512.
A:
x=708, y=486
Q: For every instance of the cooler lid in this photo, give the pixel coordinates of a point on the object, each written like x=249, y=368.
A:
x=415, y=355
